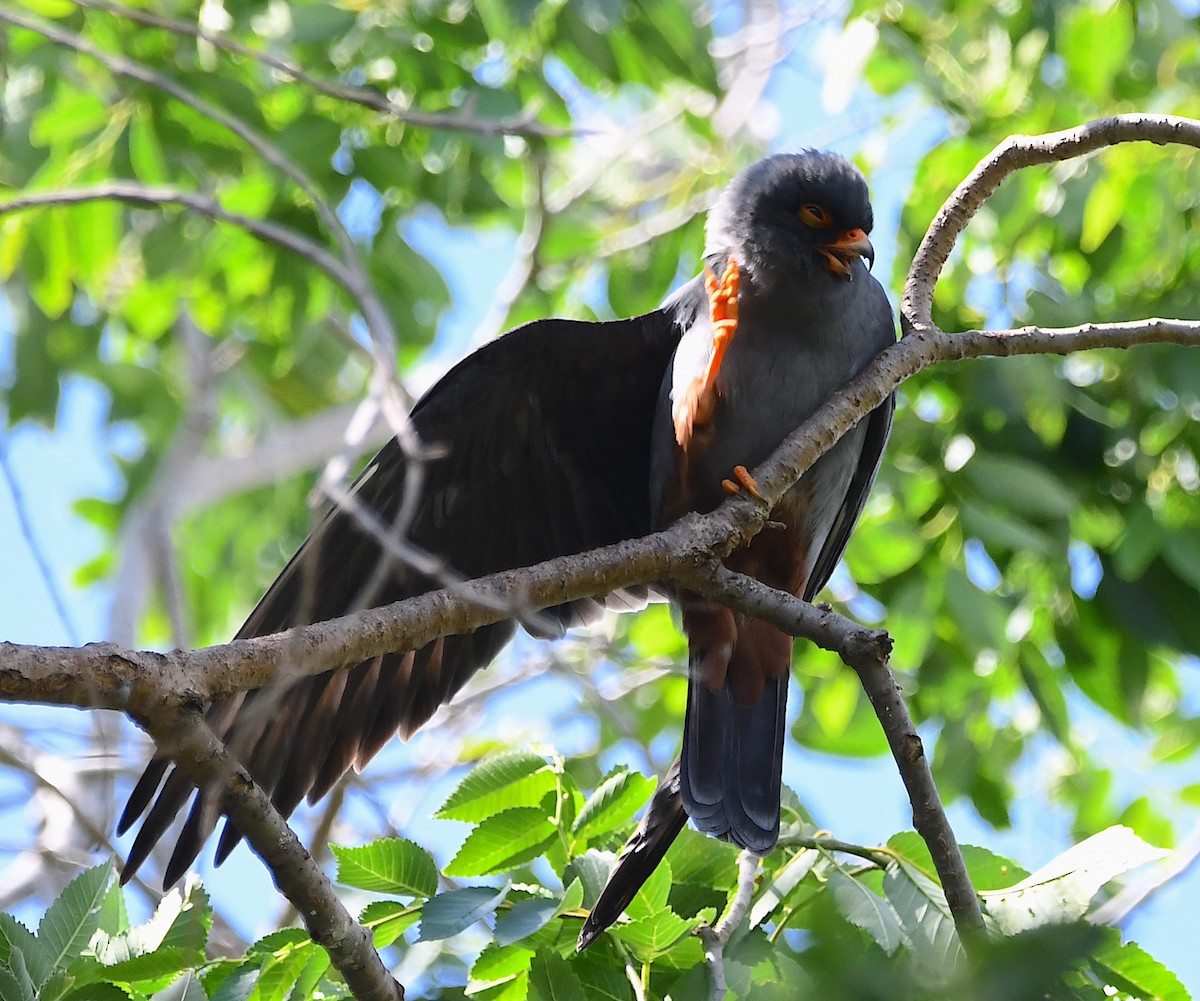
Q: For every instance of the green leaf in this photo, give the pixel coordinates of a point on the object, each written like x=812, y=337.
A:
x=605, y=979
x=988, y=871
x=526, y=917
x=1130, y=968
x=449, y=913
x=92, y=992
x=15, y=982
x=15, y=936
x=71, y=920
x=149, y=966
x=113, y=917
x=1103, y=210
x=1063, y=888
x=785, y=880
x=513, y=779
x=591, y=871
x=925, y=917
x=281, y=973
x=1019, y=486
x=614, y=802
x=498, y=964
x=389, y=865
x=504, y=841
x=186, y=988
x=552, y=979
x=651, y=935
x=388, y=920
x=652, y=896
x=866, y=910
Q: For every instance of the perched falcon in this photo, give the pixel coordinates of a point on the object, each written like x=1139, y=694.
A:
x=566, y=435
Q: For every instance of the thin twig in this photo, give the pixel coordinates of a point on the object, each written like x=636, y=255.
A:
x=523, y=270
x=716, y=937
x=21, y=508
x=140, y=194
x=516, y=125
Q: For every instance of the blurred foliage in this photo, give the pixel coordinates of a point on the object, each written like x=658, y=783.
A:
x=1034, y=538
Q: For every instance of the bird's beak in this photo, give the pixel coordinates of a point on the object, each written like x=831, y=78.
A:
x=839, y=255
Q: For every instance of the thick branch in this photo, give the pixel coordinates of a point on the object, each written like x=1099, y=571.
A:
x=100, y=675
x=205, y=760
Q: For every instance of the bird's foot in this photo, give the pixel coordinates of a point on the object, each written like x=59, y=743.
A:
x=742, y=480
x=723, y=305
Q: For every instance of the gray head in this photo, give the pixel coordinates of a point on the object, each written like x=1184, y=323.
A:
x=804, y=213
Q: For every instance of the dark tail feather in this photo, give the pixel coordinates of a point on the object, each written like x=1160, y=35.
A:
x=664, y=819
x=732, y=763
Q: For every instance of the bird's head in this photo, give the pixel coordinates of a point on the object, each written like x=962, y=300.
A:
x=804, y=213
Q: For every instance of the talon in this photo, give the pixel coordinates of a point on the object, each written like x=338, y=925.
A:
x=747, y=482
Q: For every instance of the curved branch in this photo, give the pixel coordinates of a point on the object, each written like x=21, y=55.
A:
x=135, y=193
x=867, y=652
x=378, y=323
x=1016, y=153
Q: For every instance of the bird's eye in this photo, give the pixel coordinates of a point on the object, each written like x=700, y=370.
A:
x=814, y=215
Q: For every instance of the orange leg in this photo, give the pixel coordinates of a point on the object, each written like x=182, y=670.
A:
x=695, y=406
x=723, y=312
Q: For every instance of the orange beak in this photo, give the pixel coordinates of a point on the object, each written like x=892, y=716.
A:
x=839, y=255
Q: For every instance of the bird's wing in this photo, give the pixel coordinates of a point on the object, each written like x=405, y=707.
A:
x=879, y=426
x=543, y=442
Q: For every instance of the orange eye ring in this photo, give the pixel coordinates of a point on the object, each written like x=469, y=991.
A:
x=815, y=216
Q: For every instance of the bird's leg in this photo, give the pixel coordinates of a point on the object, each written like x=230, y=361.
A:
x=694, y=407
x=723, y=314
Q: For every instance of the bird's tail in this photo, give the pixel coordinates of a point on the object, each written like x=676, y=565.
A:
x=732, y=761
x=660, y=826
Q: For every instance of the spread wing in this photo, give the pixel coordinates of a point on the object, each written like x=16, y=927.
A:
x=543, y=439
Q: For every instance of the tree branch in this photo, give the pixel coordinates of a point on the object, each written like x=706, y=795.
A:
x=516, y=125
x=194, y=748
x=1016, y=153
x=716, y=937
x=135, y=193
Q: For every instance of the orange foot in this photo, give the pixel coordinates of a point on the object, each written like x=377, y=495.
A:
x=744, y=482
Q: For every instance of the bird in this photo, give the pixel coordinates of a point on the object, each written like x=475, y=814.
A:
x=789, y=238
x=566, y=435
